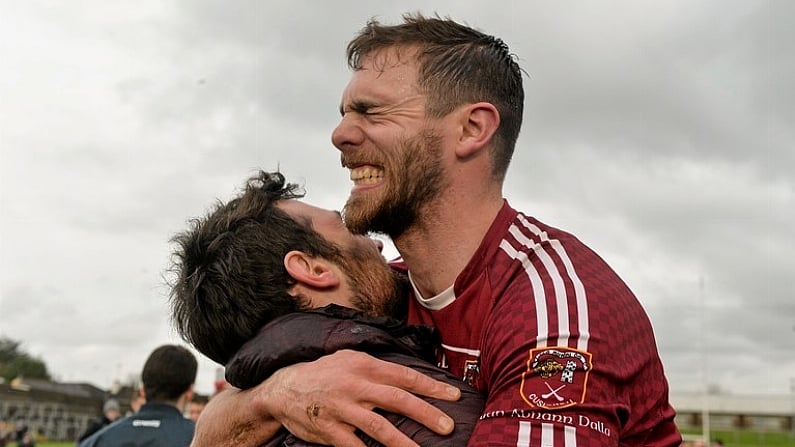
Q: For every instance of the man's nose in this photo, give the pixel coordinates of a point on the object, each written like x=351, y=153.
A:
x=347, y=133
x=378, y=243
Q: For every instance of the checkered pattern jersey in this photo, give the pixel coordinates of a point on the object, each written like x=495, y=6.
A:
x=531, y=289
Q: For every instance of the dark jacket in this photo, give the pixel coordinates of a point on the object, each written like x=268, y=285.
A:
x=306, y=336
x=155, y=425
x=94, y=426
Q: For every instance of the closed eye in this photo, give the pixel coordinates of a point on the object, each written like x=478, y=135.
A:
x=360, y=107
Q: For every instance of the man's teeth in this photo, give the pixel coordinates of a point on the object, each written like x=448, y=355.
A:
x=366, y=175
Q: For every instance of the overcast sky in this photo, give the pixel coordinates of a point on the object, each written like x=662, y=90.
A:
x=660, y=133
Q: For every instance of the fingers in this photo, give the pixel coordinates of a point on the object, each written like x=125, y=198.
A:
x=381, y=430
x=400, y=401
x=418, y=383
x=370, y=423
x=322, y=401
x=325, y=426
x=392, y=390
x=333, y=433
x=400, y=376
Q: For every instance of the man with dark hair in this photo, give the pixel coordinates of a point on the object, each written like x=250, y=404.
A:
x=527, y=313
x=168, y=376
x=265, y=281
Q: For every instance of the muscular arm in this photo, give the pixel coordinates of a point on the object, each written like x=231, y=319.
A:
x=324, y=401
x=234, y=418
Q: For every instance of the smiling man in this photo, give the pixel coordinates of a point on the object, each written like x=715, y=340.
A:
x=528, y=314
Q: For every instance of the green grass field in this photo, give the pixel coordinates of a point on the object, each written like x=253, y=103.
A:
x=729, y=438
x=744, y=438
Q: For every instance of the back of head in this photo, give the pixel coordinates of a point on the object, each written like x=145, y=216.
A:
x=111, y=409
x=230, y=278
x=457, y=65
x=168, y=373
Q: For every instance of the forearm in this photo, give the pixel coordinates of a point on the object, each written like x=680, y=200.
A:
x=323, y=401
x=233, y=418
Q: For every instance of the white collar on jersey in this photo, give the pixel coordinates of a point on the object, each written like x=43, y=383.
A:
x=440, y=301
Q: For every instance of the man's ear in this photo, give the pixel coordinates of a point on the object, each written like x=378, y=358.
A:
x=309, y=270
x=189, y=393
x=479, y=122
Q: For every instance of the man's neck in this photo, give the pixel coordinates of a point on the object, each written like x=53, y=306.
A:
x=438, y=249
x=180, y=403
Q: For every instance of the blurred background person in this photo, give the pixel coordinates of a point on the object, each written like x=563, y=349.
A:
x=27, y=440
x=5, y=433
x=195, y=407
x=110, y=413
x=136, y=401
x=168, y=378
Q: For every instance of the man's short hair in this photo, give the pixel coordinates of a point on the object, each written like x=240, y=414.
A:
x=169, y=371
x=457, y=65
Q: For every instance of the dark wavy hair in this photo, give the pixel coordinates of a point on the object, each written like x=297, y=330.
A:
x=228, y=274
x=457, y=65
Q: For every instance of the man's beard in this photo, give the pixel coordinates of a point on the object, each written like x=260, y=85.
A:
x=377, y=289
x=414, y=177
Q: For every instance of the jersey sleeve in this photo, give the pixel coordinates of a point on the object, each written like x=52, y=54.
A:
x=540, y=396
x=568, y=358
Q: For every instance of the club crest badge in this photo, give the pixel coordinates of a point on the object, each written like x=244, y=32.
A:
x=556, y=377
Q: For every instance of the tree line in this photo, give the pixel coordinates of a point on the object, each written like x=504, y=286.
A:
x=14, y=362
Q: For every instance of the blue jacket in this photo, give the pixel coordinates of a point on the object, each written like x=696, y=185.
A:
x=155, y=425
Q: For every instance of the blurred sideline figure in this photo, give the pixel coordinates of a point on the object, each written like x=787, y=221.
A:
x=168, y=377
x=110, y=413
x=136, y=401
x=5, y=433
x=195, y=407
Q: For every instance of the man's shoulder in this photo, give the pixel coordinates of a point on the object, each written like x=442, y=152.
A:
x=131, y=428
x=98, y=438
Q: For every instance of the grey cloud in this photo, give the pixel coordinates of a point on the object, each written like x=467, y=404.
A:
x=659, y=132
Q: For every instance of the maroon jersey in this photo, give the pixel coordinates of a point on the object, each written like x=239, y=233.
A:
x=562, y=347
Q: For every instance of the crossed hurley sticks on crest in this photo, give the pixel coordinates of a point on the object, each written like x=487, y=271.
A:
x=553, y=392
